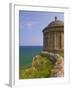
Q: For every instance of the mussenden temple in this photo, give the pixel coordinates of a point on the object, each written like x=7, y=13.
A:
x=53, y=37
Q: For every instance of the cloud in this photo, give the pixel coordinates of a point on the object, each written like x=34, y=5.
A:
x=28, y=24
x=31, y=24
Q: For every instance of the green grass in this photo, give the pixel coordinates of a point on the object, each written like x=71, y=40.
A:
x=42, y=70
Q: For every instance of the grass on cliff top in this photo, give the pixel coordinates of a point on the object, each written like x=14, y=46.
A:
x=41, y=69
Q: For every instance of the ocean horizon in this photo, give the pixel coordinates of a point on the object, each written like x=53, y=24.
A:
x=26, y=54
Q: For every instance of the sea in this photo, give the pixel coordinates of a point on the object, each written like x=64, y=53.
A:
x=26, y=54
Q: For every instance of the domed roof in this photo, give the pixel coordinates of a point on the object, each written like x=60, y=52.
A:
x=55, y=23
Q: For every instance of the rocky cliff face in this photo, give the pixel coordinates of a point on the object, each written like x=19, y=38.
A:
x=44, y=65
x=57, y=61
x=58, y=70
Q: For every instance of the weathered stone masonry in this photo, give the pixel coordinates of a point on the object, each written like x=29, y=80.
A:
x=53, y=36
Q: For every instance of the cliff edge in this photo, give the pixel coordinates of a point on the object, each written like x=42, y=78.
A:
x=44, y=65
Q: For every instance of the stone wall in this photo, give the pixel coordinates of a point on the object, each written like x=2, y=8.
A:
x=53, y=40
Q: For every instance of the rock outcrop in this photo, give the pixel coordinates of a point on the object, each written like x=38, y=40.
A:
x=44, y=65
x=52, y=56
x=58, y=70
x=56, y=59
x=35, y=63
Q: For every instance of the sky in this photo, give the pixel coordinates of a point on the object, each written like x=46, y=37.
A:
x=31, y=24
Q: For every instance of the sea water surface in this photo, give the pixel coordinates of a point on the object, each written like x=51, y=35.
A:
x=26, y=54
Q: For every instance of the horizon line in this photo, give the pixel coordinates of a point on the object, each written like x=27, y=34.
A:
x=30, y=45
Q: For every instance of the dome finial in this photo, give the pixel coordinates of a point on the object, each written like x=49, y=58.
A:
x=55, y=18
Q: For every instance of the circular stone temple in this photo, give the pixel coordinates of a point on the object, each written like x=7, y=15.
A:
x=53, y=36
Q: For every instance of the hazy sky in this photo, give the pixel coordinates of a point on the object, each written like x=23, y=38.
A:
x=31, y=24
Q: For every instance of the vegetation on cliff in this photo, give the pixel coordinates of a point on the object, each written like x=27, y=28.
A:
x=42, y=66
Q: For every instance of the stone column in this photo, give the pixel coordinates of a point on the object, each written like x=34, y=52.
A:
x=62, y=40
x=54, y=40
